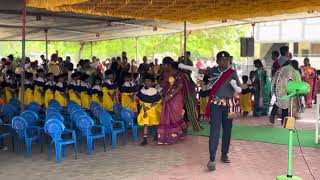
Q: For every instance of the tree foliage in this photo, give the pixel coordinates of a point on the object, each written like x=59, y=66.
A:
x=203, y=44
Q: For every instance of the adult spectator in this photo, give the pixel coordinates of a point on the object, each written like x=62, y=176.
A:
x=189, y=62
x=133, y=67
x=309, y=76
x=275, y=65
x=156, y=67
x=144, y=67
x=12, y=64
x=68, y=66
x=44, y=63
x=284, y=52
x=53, y=65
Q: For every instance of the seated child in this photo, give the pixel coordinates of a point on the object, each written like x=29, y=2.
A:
x=109, y=90
x=49, y=89
x=204, y=95
x=74, y=88
x=150, y=102
x=39, y=84
x=128, y=92
x=85, y=91
x=60, y=90
x=245, y=97
x=28, y=86
x=96, y=92
x=10, y=85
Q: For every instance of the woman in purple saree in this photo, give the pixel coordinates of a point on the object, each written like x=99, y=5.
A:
x=172, y=123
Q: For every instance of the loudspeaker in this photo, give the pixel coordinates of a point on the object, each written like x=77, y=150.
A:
x=247, y=47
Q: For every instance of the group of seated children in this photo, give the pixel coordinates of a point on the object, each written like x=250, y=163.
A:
x=144, y=100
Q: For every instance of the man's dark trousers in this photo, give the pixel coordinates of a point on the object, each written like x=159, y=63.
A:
x=218, y=117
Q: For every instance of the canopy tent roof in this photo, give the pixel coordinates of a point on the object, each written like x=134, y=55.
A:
x=73, y=26
x=180, y=10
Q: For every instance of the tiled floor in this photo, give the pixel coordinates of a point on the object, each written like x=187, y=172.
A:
x=184, y=161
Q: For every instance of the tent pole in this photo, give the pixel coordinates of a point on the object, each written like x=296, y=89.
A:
x=46, y=37
x=137, y=61
x=185, y=42
x=24, y=13
x=91, y=48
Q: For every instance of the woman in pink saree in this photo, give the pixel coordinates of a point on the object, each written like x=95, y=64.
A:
x=309, y=76
x=172, y=123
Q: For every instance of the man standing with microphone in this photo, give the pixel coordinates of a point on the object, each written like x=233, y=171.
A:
x=221, y=106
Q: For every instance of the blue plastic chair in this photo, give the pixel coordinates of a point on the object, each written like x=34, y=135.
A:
x=15, y=102
x=55, y=129
x=93, y=105
x=31, y=117
x=117, y=111
x=3, y=135
x=35, y=107
x=53, y=115
x=86, y=126
x=26, y=133
x=8, y=111
x=129, y=120
x=112, y=127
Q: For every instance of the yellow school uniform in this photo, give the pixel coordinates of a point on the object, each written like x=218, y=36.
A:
x=28, y=93
x=60, y=94
x=127, y=96
x=204, y=96
x=96, y=94
x=49, y=92
x=39, y=84
x=150, y=102
x=85, y=97
x=74, y=91
x=109, y=96
x=9, y=89
x=245, y=100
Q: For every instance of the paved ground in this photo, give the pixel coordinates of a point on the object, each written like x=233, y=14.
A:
x=184, y=161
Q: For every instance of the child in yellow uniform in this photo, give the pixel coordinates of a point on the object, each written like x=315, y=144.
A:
x=74, y=88
x=49, y=89
x=110, y=91
x=60, y=90
x=150, y=102
x=204, y=95
x=245, y=97
x=128, y=92
x=10, y=85
x=96, y=91
x=39, y=84
x=28, y=86
x=85, y=95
